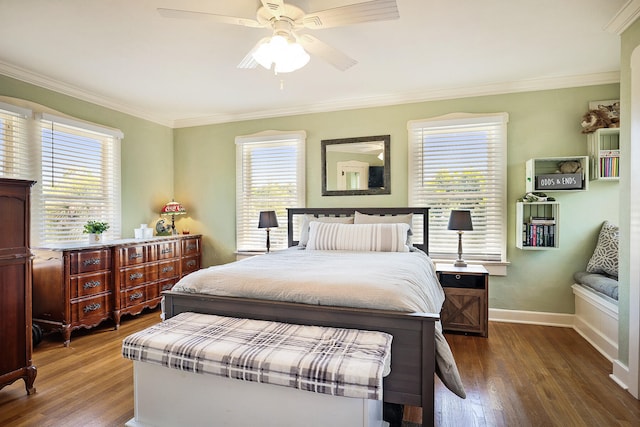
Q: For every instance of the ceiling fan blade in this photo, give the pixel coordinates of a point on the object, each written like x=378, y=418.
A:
x=276, y=7
x=205, y=16
x=368, y=11
x=325, y=52
x=248, y=61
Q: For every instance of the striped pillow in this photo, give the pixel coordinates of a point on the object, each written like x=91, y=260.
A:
x=358, y=237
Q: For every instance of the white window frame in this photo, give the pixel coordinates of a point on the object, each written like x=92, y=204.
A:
x=486, y=198
x=248, y=237
x=100, y=203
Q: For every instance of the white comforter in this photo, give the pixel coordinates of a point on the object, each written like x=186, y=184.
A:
x=397, y=281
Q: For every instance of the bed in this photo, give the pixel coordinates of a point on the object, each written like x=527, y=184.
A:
x=419, y=349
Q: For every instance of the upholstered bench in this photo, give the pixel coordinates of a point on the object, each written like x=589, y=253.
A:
x=596, y=294
x=197, y=369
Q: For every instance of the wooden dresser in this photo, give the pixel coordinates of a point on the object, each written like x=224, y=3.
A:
x=15, y=284
x=81, y=285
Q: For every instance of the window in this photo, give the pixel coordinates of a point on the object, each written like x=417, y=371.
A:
x=80, y=178
x=14, y=142
x=269, y=176
x=76, y=166
x=458, y=161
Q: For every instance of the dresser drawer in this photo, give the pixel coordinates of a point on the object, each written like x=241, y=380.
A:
x=190, y=247
x=88, y=261
x=139, y=295
x=167, y=250
x=135, y=276
x=461, y=280
x=190, y=264
x=133, y=255
x=166, y=285
x=90, y=284
x=168, y=269
x=98, y=307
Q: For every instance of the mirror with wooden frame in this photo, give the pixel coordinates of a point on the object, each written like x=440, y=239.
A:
x=356, y=166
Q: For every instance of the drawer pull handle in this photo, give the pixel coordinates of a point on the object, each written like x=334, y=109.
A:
x=191, y=247
x=166, y=251
x=134, y=276
x=135, y=256
x=135, y=296
x=167, y=286
x=191, y=263
x=92, y=284
x=91, y=307
x=91, y=261
x=167, y=269
x=458, y=277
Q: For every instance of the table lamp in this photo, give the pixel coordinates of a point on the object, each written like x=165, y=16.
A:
x=268, y=219
x=173, y=208
x=460, y=220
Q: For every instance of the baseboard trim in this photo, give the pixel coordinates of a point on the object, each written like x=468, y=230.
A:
x=620, y=374
x=531, y=317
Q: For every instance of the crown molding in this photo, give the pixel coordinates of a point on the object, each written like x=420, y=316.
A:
x=45, y=82
x=321, y=107
x=412, y=97
x=624, y=18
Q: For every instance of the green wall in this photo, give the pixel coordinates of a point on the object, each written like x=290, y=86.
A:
x=541, y=124
x=147, y=151
x=199, y=164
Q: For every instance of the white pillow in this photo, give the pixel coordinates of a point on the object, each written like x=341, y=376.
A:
x=358, y=237
x=306, y=220
x=361, y=218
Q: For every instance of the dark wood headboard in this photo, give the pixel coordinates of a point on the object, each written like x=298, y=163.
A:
x=420, y=217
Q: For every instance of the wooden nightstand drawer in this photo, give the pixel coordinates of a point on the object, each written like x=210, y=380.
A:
x=461, y=280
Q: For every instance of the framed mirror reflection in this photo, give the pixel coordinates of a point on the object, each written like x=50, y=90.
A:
x=356, y=166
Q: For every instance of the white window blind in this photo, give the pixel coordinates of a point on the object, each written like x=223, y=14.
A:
x=458, y=161
x=269, y=176
x=15, y=161
x=79, y=179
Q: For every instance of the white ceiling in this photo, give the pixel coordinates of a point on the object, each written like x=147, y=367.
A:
x=122, y=54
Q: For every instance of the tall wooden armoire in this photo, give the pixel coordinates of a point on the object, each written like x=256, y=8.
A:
x=15, y=284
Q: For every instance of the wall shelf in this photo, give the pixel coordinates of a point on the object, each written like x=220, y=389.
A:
x=604, y=154
x=541, y=175
x=537, y=225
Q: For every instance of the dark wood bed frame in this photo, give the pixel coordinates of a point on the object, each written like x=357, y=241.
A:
x=411, y=381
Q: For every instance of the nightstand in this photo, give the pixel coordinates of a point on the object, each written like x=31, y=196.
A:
x=466, y=305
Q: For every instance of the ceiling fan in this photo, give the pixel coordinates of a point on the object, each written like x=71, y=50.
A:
x=284, y=20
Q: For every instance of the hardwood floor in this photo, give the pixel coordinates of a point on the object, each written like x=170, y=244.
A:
x=522, y=375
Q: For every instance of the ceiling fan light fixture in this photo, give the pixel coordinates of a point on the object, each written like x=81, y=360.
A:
x=285, y=55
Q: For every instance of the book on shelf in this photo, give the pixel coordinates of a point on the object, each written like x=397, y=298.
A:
x=609, y=153
x=610, y=167
x=538, y=235
x=541, y=220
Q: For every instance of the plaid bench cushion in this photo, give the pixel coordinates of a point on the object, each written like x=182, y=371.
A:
x=336, y=361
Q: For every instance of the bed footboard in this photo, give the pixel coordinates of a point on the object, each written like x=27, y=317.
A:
x=411, y=381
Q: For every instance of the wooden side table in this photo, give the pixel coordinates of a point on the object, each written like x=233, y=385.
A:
x=466, y=305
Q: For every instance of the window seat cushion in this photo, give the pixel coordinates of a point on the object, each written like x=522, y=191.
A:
x=605, y=284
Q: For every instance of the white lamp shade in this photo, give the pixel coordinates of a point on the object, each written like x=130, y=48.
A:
x=286, y=56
